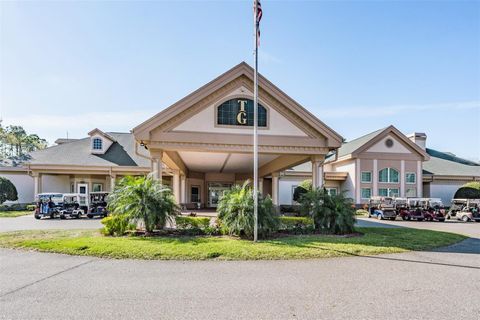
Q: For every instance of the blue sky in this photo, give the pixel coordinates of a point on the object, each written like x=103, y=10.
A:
x=358, y=66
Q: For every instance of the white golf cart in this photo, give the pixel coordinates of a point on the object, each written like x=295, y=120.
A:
x=74, y=205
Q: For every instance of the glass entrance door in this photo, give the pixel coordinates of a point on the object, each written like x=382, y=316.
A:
x=215, y=192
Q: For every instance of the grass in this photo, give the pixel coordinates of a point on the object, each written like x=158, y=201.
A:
x=13, y=214
x=92, y=243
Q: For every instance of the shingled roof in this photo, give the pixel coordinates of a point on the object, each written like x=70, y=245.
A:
x=78, y=152
x=442, y=163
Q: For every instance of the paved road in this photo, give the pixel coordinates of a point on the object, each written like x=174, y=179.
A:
x=418, y=285
x=444, y=284
x=30, y=223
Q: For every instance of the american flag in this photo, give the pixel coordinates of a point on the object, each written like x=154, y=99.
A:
x=259, y=17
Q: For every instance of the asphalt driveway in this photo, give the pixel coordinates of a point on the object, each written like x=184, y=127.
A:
x=443, y=284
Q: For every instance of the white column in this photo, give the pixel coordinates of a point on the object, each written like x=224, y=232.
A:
x=183, y=189
x=375, y=178
x=402, y=178
x=358, y=186
x=37, y=183
x=176, y=185
x=156, y=156
x=317, y=173
x=275, y=184
x=260, y=186
x=113, y=179
x=419, y=179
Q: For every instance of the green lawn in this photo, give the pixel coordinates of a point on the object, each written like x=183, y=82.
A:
x=92, y=243
x=13, y=214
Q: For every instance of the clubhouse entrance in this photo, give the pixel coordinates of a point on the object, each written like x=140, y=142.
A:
x=203, y=143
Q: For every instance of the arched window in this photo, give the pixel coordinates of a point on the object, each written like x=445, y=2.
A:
x=388, y=175
x=239, y=112
x=97, y=144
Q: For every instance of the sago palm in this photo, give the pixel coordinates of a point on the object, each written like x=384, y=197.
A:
x=143, y=199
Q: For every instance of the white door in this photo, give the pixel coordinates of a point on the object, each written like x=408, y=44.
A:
x=82, y=188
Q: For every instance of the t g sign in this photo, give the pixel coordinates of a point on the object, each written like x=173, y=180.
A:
x=242, y=113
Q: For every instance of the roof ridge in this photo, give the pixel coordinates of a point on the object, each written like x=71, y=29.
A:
x=379, y=130
x=449, y=157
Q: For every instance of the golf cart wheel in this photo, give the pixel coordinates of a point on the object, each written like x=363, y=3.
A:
x=379, y=217
x=404, y=218
x=441, y=220
x=37, y=217
x=465, y=218
x=62, y=216
x=89, y=216
x=420, y=219
x=409, y=218
x=393, y=218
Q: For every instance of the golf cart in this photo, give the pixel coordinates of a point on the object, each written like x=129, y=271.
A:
x=465, y=210
x=382, y=208
x=434, y=210
x=73, y=206
x=48, y=205
x=415, y=209
x=98, y=205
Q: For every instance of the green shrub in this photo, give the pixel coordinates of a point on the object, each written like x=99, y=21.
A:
x=117, y=225
x=200, y=223
x=332, y=214
x=143, y=199
x=297, y=224
x=7, y=190
x=286, y=208
x=235, y=212
x=15, y=207
x=361, y=212
x=31, y=207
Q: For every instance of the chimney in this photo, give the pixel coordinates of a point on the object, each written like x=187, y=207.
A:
x=419, y=138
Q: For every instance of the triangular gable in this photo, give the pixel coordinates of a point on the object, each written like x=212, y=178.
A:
x=239, y=76
x=401, y=144
x=103, y=134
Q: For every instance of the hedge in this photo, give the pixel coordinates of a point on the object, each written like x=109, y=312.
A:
x=192, y=222
x=296, y=224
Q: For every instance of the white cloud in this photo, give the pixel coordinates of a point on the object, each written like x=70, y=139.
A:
x=384, y=111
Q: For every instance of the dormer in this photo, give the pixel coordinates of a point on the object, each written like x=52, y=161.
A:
x=100, y=141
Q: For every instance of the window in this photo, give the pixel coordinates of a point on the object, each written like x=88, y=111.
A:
x=410, y=178
x=97, y=187
x=332, y=191
x=366, y=193
x=239, y=112
x=411, y=193
x=388, y=175
x=97, y=144
x=366, y=176
x=388, y=192
x=195, y=194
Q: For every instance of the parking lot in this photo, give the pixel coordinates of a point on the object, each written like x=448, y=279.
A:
x=30, y=223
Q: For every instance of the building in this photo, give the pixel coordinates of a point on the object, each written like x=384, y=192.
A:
x=202, y=145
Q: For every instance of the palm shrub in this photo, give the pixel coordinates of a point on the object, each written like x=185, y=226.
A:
x=235, y=212
x=331, y=213
x=143, y=199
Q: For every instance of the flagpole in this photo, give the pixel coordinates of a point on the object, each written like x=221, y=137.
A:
x=255, y=124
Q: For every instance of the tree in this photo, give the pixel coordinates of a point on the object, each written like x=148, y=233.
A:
x=16, y=143
x=235, y=212
x=143, y=199
x=470, y=190
x=303, y=187
x=8, y=192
